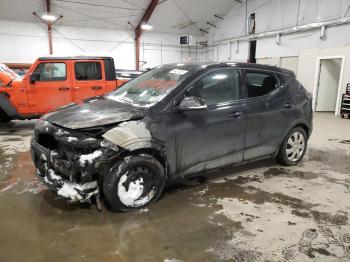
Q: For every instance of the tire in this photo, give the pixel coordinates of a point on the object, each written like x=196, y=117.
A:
x=133, y=183
x=293, y=147
x=4, y=118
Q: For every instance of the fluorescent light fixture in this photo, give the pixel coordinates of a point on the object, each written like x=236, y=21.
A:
x=48, y=17
x=146, y=27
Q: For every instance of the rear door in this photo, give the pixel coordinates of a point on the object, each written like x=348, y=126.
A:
x=52, y=89
x=262, y=121
x=88, y=79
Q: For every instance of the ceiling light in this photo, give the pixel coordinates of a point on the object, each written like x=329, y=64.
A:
x=146, y=27
x=48, y=17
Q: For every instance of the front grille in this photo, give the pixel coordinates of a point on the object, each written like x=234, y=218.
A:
x=48, y=141
x=66, y=148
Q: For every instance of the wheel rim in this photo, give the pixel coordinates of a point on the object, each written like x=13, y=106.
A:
x=137, y=187
x=295, y=146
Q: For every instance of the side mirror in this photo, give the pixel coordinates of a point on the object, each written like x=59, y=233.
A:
x=34, y=77
x=190, y=103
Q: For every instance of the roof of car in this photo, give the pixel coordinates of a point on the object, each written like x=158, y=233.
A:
x=249, y=66
x=75, y=58
x=210, y=65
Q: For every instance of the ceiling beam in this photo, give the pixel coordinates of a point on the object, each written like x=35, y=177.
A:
x=48, y=6
x=138, y=30
x=49, y=25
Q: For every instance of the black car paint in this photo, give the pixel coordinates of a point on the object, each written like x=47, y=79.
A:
x=190, y=141
x=94, y=112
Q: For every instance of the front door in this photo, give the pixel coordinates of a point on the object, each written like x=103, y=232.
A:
x=212, y=135
x=51, y=89
x=88, y=79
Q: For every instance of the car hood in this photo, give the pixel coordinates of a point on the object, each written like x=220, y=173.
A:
x=7, y=75
x=94, y=112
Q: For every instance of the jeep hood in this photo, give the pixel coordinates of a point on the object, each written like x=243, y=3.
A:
x=7, y=75
x=94, y=112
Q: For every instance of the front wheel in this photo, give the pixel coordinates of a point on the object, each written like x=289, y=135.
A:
x=293, y=147
x=134, y=182
x=4, y=118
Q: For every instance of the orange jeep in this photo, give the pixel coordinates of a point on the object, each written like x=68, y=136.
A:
x=52, y=82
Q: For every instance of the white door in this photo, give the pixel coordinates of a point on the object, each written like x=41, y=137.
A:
x=328, y=84
x=290, y=63
x=268, y=61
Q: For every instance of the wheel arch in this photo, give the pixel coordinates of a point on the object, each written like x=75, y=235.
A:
x=148, y=148
x=303, y=126
x=6, y=105
x=297, y=123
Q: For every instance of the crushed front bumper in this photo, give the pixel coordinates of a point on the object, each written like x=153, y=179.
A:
x=46, y=170
x=70, y=165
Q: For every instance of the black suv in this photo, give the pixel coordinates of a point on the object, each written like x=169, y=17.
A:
x=167, y=124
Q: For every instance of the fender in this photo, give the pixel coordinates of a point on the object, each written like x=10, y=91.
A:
x=128, y=133
x=7, y=106
x=297, y=122
x=132, y=135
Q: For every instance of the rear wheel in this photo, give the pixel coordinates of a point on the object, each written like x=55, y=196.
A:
x=293, y=147
x=135, y=182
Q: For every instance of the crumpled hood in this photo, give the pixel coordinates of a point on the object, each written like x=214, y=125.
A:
x=7, y=75
x=93, y=112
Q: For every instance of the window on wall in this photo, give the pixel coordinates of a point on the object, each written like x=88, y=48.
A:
x=216, y=87
x=260, y=83
x=88, y=71
x=51, y=72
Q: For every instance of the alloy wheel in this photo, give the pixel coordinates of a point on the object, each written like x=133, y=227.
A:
x=295, y=146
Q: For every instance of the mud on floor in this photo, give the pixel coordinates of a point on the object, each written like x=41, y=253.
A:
x=255, y=212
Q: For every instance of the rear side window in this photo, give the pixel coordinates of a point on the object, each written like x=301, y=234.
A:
x=284, y=78
x=88, y=71
x=260, y=83
x=216, y=87
x=51, y=72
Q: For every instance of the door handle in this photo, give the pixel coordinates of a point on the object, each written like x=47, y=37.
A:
x=235, y=114
x=287, y=105
x=96, y=87
x=63, y=88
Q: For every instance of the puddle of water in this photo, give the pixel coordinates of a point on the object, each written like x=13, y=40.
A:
x=198, y=220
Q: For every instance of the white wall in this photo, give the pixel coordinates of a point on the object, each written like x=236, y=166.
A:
x=24, y=42
x=278, y=14
x=305, y=48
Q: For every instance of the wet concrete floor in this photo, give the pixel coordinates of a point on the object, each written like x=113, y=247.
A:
x=254, y=212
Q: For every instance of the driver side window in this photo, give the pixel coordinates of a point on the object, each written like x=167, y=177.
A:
x=216, y=87
x=51, y=71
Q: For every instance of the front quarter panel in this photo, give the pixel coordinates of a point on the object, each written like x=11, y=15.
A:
x=129, y=133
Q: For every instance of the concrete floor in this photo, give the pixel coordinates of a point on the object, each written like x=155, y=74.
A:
x=255, y=212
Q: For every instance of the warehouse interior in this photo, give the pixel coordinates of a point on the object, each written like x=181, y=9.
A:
x=258, y=211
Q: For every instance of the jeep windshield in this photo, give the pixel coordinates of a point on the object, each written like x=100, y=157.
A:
x=152, y=86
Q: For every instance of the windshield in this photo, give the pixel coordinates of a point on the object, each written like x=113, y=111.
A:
x=152, y=86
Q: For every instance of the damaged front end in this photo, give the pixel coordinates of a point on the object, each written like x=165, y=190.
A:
x=71, y=162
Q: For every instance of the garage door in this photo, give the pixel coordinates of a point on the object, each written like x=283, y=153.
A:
x=290, y=63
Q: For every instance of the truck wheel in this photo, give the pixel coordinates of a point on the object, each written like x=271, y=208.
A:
x=4, y=118
x=293, y=147
x=134, y=182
